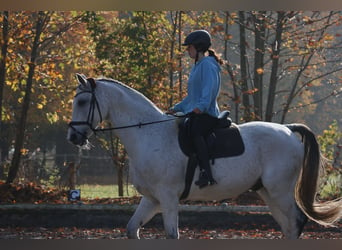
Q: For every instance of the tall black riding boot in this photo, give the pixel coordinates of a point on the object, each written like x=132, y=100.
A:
x=205, y=177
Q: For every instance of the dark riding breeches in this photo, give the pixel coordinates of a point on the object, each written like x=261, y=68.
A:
x=200, y=126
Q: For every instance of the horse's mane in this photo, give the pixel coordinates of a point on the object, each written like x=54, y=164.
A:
x=115, y=81
x=132, y=90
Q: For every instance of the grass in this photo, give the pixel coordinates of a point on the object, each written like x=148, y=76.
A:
x=104, y=191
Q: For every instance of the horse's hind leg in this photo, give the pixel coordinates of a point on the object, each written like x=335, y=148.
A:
x=286, y=212
x=145, y=211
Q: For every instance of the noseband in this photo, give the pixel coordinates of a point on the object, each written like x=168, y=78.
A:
x=91, y=113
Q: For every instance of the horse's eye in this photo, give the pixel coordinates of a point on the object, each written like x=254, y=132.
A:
x=81, y=102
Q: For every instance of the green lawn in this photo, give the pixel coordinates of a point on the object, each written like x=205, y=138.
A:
x=104, y=191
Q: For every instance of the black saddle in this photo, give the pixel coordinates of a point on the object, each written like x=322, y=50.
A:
x=224, y=141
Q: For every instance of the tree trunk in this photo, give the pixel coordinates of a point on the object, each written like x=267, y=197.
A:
x=231, y=72
x=119, y=168
x=117, y=162
x=21, y=126
x=275, y=63
x=172, y=55
x=4, y=45
x=243, y=65
x=180, y=75
x=259, y=23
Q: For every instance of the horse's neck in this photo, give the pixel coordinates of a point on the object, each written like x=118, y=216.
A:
x=128, y=107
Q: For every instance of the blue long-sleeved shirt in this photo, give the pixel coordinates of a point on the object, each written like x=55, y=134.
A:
x=203, y=88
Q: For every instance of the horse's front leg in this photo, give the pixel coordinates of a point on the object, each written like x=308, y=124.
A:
x=145, y=211
x=170, y=217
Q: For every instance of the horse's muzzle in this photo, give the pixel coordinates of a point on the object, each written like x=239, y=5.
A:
x=76, y=137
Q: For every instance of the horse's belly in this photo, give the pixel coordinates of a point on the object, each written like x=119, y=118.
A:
x=232, y=180
x=214, y=193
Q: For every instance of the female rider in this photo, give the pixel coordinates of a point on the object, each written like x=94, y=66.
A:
x=201, y=100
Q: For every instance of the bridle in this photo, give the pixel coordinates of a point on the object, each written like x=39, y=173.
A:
x=91, y=113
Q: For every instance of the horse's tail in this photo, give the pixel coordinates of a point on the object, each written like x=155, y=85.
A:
x=325, y=213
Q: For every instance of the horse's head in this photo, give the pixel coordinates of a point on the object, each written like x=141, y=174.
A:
x=86, y=113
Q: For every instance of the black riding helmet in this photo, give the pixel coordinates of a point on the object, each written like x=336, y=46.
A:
x=201, y=40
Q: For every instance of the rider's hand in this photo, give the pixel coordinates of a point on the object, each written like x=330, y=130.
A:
x=197, y=111
x=170, y=112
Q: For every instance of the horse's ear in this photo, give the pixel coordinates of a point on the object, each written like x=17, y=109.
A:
x=81, y=79
x=92, y=82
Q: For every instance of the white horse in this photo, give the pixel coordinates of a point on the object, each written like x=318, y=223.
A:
x=287, y=167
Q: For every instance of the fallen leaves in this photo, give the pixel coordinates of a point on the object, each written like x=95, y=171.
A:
x=60, y=233
x=37, y=194
x=30, y=193
x=239, y=229
x=154, y=233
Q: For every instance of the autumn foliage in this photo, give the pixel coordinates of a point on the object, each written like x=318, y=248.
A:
x=30, y=193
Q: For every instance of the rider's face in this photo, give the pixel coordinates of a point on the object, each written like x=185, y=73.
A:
x=192, y=51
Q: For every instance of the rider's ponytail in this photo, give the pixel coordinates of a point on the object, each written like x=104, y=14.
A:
x=217, y=58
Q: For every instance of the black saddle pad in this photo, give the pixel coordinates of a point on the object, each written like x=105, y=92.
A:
x=222, y=142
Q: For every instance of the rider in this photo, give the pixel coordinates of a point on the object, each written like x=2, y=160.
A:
x=201, y=100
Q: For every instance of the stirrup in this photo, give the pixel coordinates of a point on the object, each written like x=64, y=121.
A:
x=204, y=181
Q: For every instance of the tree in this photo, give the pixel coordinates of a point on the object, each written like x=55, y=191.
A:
x=260, y=43
x=276, y=48
x=3, y=58
x=176, y=22
x=282, y=58
x=228, y=66
x=41, y=20
x=116, y=151
x=133, y=52
x=313, y=48
x=35, y=39
x=243, y=67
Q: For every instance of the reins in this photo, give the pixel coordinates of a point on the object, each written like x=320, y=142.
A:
x=139, y=125
x=94, y=103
